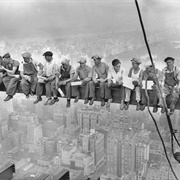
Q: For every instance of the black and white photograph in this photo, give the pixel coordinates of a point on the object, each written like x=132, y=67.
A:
x=89, y=90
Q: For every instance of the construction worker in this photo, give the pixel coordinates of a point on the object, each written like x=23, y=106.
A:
x=46, y=78
x=115, y=79
x=99, y=77
x=135, y=73
x=64, y=77
x=11, y=77
x=150, y=75
x=170, y=83
x=29, y=70
x=2, y=73
x=84, y=73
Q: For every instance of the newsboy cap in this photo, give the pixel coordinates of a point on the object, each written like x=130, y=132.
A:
x=65, y=61
x=26, y=55
x=169, y=58
x=149, y=64
x=48, y=53
x=96, y=57
x=136, y=60
x=82, y=60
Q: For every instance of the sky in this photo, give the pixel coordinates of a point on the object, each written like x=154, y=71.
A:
x=57, y=18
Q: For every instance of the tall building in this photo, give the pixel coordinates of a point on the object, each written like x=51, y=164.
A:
x=99, y=148
x=112, y=155
x=90, y=118
x=128, y=155
x=3, y=128
x=34, y=133
x=67, y=120
x=50, y=146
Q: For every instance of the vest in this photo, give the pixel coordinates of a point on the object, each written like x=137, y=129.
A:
x=29, y=69
x=65, y=74
x=170, y=79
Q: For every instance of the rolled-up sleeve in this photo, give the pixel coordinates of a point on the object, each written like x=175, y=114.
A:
x=72, y=71
x=21, y=67
x=178, y=74
x=109, y=77
x=55, y=69
x=90, y=72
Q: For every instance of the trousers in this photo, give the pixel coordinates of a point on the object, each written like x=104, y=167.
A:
x=108, y=90
x=27, y=86
x=129, y=91
x=11, y=84
x=48, y=87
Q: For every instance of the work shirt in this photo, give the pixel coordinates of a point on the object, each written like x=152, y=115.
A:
x=65, y=74
x=50, y=69
x=83, y=73
x=116, y=76
x=11, y=64
x=101, y=71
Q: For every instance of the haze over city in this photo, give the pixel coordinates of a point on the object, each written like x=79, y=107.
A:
x=46, y=141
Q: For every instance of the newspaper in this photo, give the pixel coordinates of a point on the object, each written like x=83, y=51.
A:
x=77, y=83
x=149, y=84
x=127, y=82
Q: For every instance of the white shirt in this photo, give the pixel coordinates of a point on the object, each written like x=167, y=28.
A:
x=116, y=76
x=135, y=76
x=50, y=68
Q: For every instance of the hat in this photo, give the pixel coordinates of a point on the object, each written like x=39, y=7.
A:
x=136, y=60
x=48, y=53
x=169, y=58
x=65, y=61
x=7, y=55
x=148, y=64
x=82, y=60
x=26, y=55
x=96, y=57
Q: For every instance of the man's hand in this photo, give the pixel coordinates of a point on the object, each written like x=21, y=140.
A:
x=102, y=80
x=83, y=82
x=135, y=83
x=120, y=83
x=96, y=81
x=17, y=76
x=62, y=83
x=153, y=87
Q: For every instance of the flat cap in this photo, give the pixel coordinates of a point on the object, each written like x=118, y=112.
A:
x=65, y=61
x=7, y=55
x=169, y=58
x=82, y=60
x=136, y=60
x=48, y=53
x=96, y=57
x=26, y=55
x=148, y=64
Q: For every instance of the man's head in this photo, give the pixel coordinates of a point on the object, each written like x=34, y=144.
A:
x=148, y=66
x=169, y=61
x=65, y=63
x=116, y=64
x=82, y=61
x=97, y=59
x=48, y=56
x=135, y=62
x=7, y=58
x=26, y=56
